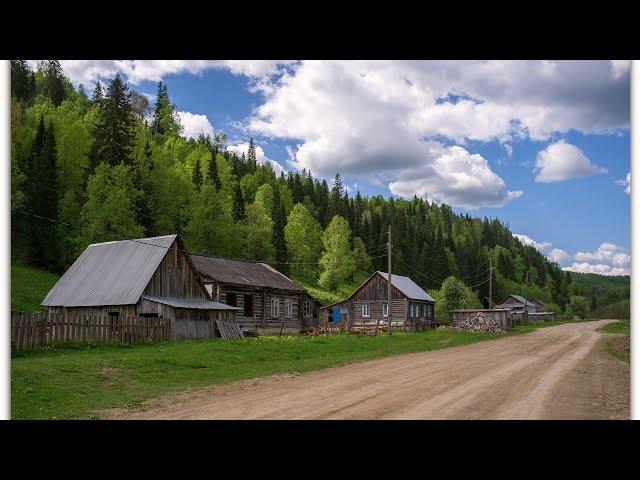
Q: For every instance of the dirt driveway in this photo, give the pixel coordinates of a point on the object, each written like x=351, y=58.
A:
x=555, y=372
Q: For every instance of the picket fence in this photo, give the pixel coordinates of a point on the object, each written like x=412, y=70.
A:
x=35, y=329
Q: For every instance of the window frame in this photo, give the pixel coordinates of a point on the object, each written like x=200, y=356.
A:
x=247, y=307
x=275, y=303
x=366, y=306
x=288, y=308
x=385, y=306
x=306, y=308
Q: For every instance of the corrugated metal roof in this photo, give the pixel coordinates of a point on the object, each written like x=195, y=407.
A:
x=408, y=287
x=110, y=273
x=190, y=303
x=243, y=272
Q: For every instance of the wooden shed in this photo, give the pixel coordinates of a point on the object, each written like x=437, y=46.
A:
x=369, y=302
x=267, y=299
x=517, y=303
x=146, y=277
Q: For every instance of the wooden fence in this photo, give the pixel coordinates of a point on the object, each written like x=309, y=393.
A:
x=34, y=329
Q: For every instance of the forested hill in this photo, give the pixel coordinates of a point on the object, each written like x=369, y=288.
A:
x=106, y=165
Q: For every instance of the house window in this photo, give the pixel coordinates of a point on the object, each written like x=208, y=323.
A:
x=209, y=288
x=275, y=307
x=248, y=305
x=114, y=321
x=385, y=309
x=306, y=308
x=366, y=310
x=415, y=310
x=232, y=299
x=288, y=309
x=428, y=311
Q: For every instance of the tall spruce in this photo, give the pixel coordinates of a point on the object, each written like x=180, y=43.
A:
x=238, y=210
x=42, y=199
x=251, y=156
x=53, y=82
x=22, y=81
x=114, y=134
x=214, y=177
x=336, y=198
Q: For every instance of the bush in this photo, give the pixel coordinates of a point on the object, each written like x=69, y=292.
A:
x=577, y=306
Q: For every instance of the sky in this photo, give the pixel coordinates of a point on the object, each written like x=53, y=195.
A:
x=543, y=146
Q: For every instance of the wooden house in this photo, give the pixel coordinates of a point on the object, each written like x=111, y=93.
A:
x=539, y=304
x=147, y=277
x=267, y=299
x=369, y=302
x=516, y=303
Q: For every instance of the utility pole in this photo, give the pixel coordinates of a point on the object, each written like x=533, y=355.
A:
x=389, y=286
x=490, y=283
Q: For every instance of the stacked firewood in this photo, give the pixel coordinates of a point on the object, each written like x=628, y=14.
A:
x=479, y=322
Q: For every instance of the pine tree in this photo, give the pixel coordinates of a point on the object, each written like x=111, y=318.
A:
x=53, y=85
x=114, y=135
x=22, y=86
x=336, y=198
x=238, y=211
x=251, y=156
x=97, y=95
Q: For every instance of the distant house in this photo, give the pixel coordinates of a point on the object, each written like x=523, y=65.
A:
x=540, y=305
x=369, y=302
x=267, y=299
x=150, y=277
x=517, y=303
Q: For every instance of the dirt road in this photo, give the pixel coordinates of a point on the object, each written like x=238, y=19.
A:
x=555, y=372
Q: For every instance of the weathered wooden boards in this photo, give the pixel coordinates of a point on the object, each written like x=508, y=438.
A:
x=229, y=330
x=33, y=329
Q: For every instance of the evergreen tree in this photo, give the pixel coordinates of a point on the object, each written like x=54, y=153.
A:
x=214, y=177
x=251, y=156
x=197, y=174
x=53, y=82
x=336, y=198
x=42, y=199
x=22, y=81
x=98, y=95
x=238, y=211
x=114, y=132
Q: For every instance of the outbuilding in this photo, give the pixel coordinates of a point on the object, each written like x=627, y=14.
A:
x=146, y=277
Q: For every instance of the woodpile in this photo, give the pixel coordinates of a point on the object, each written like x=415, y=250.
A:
x=479, y=322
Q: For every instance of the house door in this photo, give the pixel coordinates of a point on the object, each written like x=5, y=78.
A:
x=335, y=315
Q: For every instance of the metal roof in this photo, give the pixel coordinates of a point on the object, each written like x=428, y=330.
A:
x=190, y=303
x=408, y=287
x=110, y=273
x=243, y=272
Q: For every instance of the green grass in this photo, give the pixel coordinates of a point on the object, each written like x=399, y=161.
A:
x=74, y=382
x=623, y=328
x=619, y=310
x=619, y=347
x=29, y=286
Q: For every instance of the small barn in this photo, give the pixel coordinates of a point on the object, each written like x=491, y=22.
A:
x=268, y=300
x=146, y=277
x=517, y=303
x=369, y=302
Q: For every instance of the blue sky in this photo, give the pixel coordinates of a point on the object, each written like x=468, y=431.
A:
x=543, y=146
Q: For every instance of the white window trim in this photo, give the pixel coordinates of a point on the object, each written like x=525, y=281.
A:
x=367, y=307
x=288, y=309
x=306, y=308
x=385, y=306
x=275, y=305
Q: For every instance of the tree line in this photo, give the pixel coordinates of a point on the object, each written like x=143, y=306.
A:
x=108, y=165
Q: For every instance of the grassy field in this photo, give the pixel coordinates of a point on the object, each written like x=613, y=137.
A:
x=619, y=346
x=73, y=382
x=29, y=286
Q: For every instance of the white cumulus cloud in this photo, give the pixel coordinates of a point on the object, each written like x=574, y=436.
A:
x=558, y=255
x=563, y=161
x=527, y=240
x=608, y=259
x=194, y=124
x=453, y=175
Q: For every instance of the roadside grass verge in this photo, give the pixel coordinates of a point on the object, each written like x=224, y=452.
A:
x=619, y=346
x=75, y=381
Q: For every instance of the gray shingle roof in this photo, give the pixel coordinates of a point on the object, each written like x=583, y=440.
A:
x=243, y=272
x=110, y=273
x=191, y=303
x=408, y=287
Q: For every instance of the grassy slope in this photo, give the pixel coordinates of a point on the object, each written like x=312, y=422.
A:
x=93, y=378
x=29, y=286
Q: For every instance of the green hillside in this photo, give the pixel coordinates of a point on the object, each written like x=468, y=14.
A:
x=29, y=286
